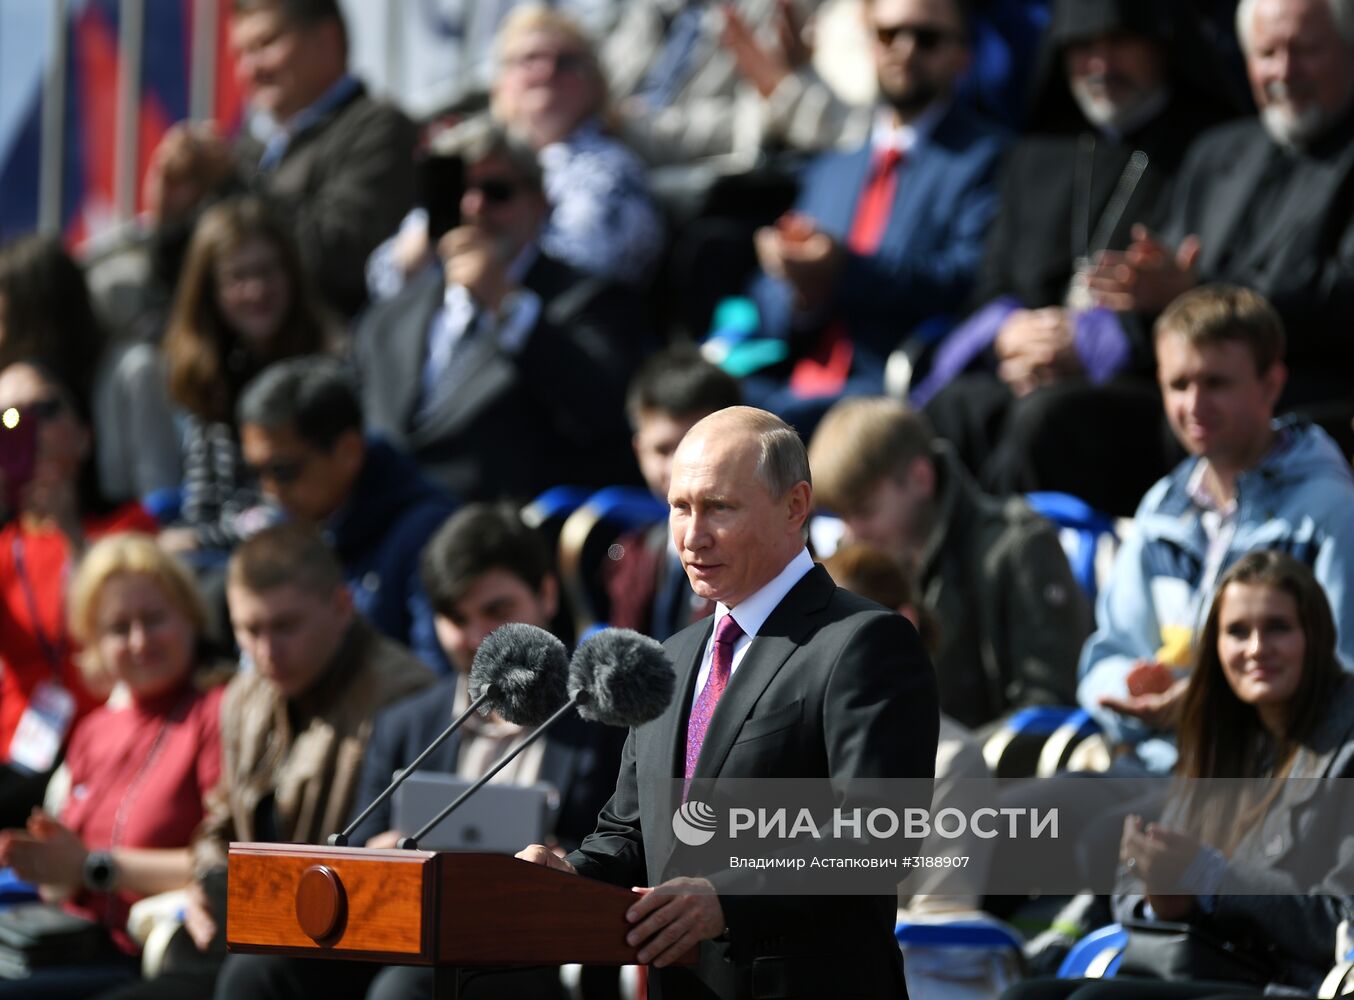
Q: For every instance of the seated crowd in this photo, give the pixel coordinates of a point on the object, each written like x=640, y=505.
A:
x=266, y=467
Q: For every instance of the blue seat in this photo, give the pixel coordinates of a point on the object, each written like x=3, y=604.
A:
x=1097, y=955
x=14, y=889
x=1088, y=525
x=1013, y=750
x=584, y=541
x=962, y=933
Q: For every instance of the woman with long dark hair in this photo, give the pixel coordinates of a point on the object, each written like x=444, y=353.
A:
x=1252, y=849
x=243, y=302
x=46, y=316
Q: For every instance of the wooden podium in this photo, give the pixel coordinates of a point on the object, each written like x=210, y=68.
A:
x=451, y=911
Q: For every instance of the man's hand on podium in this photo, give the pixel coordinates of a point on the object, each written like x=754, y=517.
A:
x=673, y=918
x=539, y=854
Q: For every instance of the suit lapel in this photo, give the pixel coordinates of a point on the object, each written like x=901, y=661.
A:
x=409, y=344
x=785, y=631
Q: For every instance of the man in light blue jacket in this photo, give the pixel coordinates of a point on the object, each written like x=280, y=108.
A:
x=1250, y=483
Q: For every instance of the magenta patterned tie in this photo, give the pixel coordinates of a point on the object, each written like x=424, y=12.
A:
x=727, y=633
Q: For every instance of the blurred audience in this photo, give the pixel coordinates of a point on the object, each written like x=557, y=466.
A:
x=138, y=773
x=963, y=780
x=504, y=371
x=293, y=728
x=1261, y=865
x=1249, y=482
x=301, y=435
x=336, y=163
x=242, y=303
x=646, y=587
x=1011, y=616
x=46, y=316
x=483, y=568
x=1265, y=203
x=1109, y=128
x=885, y=238
x=549, y=93
x=52, y=509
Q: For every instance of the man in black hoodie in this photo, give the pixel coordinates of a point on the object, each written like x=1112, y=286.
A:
x=301, y=433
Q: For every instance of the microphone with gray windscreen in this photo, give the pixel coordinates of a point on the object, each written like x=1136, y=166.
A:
x=520, y=671
x=618, y=677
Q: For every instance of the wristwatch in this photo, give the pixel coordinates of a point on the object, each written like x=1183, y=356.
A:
x=101, y=872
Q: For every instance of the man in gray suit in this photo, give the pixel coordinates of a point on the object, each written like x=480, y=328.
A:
x=791, y=678
x=503, y=371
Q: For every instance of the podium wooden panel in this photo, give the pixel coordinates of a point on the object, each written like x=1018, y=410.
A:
x=420, y=908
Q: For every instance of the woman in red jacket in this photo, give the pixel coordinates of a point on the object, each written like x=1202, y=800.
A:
x=56, y=511
x=140, y=767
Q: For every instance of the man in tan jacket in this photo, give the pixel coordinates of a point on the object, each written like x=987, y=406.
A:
x=294, y=724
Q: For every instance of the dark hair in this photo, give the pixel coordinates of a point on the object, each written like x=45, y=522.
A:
x=679, y=382
x=1214, y=314
x=1220, y=736
x=289, y=554
x=46, y=315
x=479, y=138
x=303, y=12
x=885, y=580
x=313, y=396
x=88, y=491
x=476, y=539
x=963, y=12
x=208, y=363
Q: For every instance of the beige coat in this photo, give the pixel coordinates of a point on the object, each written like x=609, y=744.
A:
x=305, y=756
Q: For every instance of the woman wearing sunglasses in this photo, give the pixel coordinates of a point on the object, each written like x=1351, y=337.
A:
x=53, y=509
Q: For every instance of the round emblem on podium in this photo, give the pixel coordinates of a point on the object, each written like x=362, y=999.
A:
x=321, y=903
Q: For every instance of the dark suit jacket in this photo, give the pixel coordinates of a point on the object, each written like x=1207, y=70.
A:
x=832, y=686
x=932, y=244
x=551, y=413
x=580, y=760
x=343, y=185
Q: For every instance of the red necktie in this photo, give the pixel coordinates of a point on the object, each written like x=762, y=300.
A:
x=727, y=633
x=823, y=371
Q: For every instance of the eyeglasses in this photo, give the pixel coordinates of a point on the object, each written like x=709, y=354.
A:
x=495, y=190
x=41, y=410
x=924, y=37
x=281, y=472
x=562, y=62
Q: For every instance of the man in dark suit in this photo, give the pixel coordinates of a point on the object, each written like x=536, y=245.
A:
x=886, y=237
x=503, y=372
x=793, y=678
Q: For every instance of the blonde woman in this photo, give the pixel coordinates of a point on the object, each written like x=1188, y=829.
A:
x=139, y=772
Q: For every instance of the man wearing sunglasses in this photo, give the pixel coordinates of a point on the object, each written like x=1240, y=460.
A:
x=503, y=371
x=885, y=238
x=301, y=434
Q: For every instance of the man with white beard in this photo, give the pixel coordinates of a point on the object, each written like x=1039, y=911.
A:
x=1268, y=203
